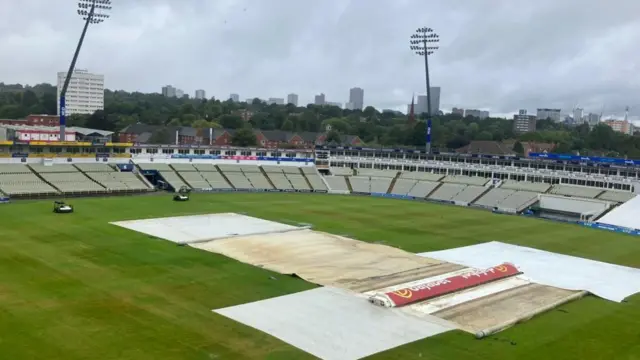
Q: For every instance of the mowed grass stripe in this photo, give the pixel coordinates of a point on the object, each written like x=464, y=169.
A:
x=75, y=287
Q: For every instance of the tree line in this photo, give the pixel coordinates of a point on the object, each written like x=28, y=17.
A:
x=375, y=128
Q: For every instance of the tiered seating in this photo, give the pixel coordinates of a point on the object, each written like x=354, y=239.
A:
x=420, y=176
x=173, y=179
x=403, y=186
x=577, y=191
x=518, y=200
x=494, y=197
x=360, y=184
x=314, y=178
x=155, y=166
x=447, y=192
x=113, y=180
x=67, y=178
x=616, y=196
x=338, y=183
x=380, y=184
x=467, y=180
x=17, y=180
x=255, y=177
x=377, y=173
x=469, y=193
x=525, y=186
x=210, y=173
x=191, y=175
x=277, y=176
x=236, y=176
x=341, y=171
x=423, y=188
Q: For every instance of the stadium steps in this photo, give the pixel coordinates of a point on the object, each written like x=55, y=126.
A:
x=264, y=173
x=393, y=182
x=487, y=189
x=305, y=178
x=180, y=176
x=434, y=190
x=346, y=179
x=224, y=176
x=89, y=177
x=43, y=179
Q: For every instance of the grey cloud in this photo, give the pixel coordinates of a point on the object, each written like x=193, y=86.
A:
x=501, y=55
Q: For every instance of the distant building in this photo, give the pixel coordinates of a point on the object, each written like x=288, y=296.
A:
x=319, y=99
x=276, y=101
x=349, y=106
x=85, y=93
x=480, y=114
x=168, y=91
x=456, y=111
x=421, y=103
x=234, y=97
x=179, y=93
x=578, y=114
x=292, y=99
x=200, y=95
x=553, y=114
x=621, y=126
x=593, y=119
x=523, y=123
x=356, y=98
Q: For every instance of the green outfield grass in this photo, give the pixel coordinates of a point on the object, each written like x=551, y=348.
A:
x=74, y=287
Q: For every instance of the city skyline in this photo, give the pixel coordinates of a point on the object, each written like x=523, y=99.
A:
x=534, y=65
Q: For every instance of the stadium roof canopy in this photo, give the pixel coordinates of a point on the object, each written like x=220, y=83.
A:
x=73, y=129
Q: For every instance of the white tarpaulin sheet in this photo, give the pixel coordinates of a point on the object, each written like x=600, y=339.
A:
x=333, y=324
x=186, y=229
x=609, y=281
x=626, y=215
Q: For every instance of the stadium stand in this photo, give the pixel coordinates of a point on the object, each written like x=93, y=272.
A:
x=210, y=173
x=525, y=186
x=166, y=172
x=360, y=184
x=235, y=176
x=469, y=194
x=343, y=171
x=571, y=205
x=494, y=197
x=112, y=180
x=337, y=183
x=447, y=191
x=380, y=184
x=278, y=178
x=256, y=177
x=423, y=188
x=191, y=176
x=616, y=196
x=314, y=178
x=67, y=178
x=576, y=191
x=403, y=186
x=19, y=180
x=377, y=173
x=518, y=201
x=466, y=180
x=421, y=176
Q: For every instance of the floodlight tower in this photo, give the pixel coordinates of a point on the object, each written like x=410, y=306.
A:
x=424, y=42
x=92, y=12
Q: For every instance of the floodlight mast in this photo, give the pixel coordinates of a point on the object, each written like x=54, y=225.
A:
x=93, y=12
x=425, y=42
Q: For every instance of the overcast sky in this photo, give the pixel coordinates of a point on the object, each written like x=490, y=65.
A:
x=498, y=55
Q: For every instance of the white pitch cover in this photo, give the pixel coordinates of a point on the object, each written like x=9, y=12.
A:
x=333, y=324
x=608, y=281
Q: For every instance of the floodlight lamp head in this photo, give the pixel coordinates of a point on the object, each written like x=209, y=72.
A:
x=94, y=10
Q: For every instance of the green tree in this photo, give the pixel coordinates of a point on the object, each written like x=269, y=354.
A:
x=160, y=136
x=333, y=136
x=518, y=148
x=229, y=121
x=244, y=137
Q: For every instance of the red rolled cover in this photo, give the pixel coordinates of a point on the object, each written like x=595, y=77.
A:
x=436, y=288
